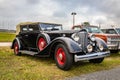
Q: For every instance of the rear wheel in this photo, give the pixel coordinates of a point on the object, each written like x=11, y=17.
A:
x=98, y=60
x=63, y=58
x=16, y=49
x=41, y=43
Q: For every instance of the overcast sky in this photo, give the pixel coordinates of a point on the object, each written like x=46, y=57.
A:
x=104, y=12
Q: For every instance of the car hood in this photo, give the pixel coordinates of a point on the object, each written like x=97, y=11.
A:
x=100, y=35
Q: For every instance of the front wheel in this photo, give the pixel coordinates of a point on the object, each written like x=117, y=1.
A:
x=16, y=49
x=98, y=60
x=63, y=58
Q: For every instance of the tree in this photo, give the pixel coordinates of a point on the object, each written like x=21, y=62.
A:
x=85, y=23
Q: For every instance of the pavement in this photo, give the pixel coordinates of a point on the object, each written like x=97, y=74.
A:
x=113, y=74
x=5, y=43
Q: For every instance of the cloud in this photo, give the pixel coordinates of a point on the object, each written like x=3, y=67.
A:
x=59, y=11
x=24, y=10
x=32, y=2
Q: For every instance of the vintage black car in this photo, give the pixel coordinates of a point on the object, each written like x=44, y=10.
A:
x=65, y=46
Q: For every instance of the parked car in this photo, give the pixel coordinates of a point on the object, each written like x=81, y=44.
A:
x=49, y=40
x=111, y=30
x=118, y=30
x=112, y=40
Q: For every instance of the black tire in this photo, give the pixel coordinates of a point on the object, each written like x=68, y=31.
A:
x=98, y=60
x=16, y=49
x=63, y=58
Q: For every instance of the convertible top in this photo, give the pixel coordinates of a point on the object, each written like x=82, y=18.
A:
x=27, y=23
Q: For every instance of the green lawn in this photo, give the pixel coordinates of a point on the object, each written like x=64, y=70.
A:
x=33, y=68
x=6, y=36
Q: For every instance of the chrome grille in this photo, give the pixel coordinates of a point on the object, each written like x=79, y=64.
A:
x=83, y=39
x=115, y=40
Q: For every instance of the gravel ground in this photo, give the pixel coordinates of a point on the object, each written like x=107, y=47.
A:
x=5, y=43
x=113, y=74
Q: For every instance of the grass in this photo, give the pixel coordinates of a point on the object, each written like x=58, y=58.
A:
x=33, y=68
x=6, y=36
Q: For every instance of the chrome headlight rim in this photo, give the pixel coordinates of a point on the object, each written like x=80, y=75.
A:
x=75, y=37
x=101, y=47
x=92, y=37
x=89, y=48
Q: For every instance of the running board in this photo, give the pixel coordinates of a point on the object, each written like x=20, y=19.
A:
x=32, y=53
x=28, y=52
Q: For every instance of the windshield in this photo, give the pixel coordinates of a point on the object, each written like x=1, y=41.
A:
x=50, y=27
x=111, y=31
x=93, y=30
x=118, y=30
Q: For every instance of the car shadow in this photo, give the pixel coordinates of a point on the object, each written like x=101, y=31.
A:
x=46, y=60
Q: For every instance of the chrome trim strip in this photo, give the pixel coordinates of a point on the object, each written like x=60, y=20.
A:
x=115, y=40
x=112, y=45
x=28, y=52
x=91, y=56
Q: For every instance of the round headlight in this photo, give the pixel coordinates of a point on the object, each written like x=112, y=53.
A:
x=75, y=37
x=89, y=48
x=92, y=37
x=101, y=47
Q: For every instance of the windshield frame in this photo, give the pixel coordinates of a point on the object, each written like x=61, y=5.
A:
x=50, y=27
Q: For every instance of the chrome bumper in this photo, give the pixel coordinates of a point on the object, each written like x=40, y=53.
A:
x=113, y=47
x=91, y=56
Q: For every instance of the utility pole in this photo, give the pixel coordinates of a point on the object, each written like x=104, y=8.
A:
x=99, y=25
x=73, y=13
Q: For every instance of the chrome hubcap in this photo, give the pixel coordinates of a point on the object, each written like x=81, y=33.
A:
x=60, y=56
x=42, y=44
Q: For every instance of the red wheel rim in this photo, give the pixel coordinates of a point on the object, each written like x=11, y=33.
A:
x=41, y=43
x=16, y=48
x=60, y=55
